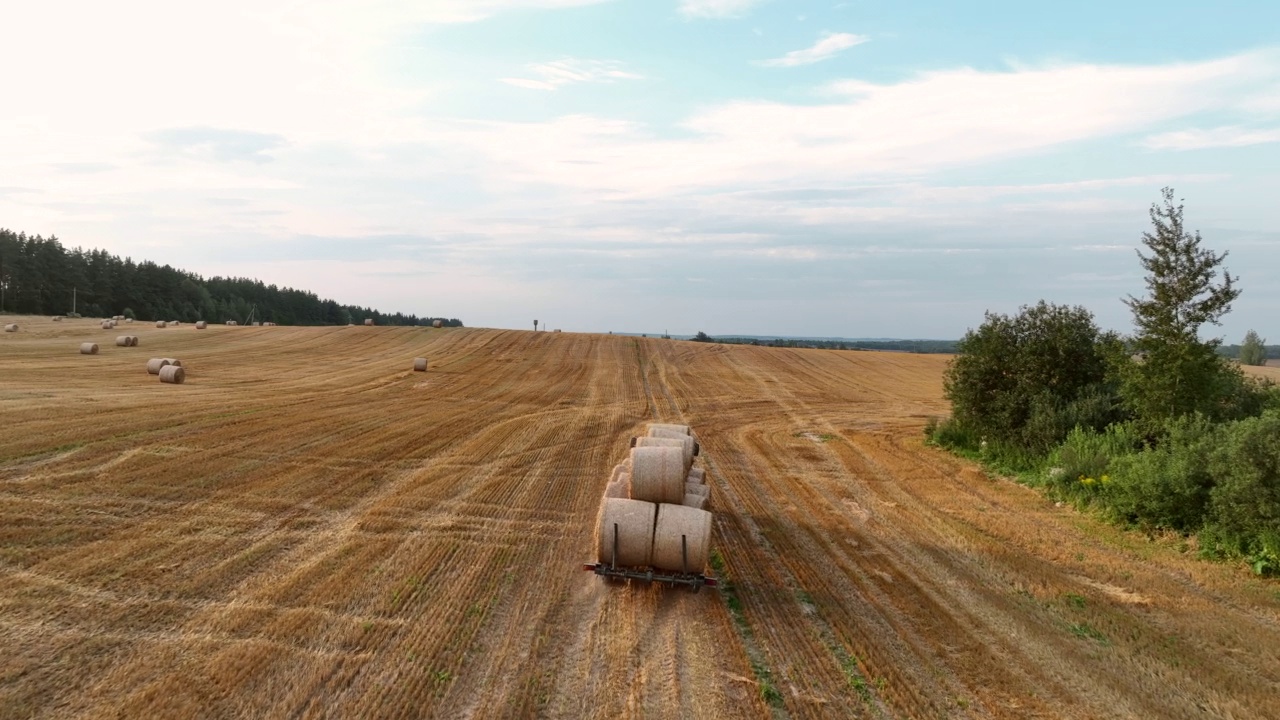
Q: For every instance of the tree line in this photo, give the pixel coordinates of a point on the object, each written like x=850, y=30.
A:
x=1156, y=431
x=38, y=276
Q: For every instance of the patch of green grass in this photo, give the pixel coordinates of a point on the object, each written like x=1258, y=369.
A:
x=1084, y=630
x=1075, y=601
x=768, y=692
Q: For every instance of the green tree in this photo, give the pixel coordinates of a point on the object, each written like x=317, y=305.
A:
x=1027, y=380
x=1253, y=351
x=701, y=337
x=1178, y=373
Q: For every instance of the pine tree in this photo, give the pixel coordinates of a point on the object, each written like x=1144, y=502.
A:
x=1178, y=373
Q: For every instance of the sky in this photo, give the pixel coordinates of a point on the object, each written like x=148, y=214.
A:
x=867, y=168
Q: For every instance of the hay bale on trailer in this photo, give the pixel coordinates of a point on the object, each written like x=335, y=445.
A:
x=11, y=327
x=698, y=474
x=368, y=321
x=681, y=538
x=681, y=429
x=698, y=502
x=437, y=323
x=161, y=323
x=633, y=520
x=88, y=348
x=657, y=474
x=173, y=374
x=201, y=325
x=686, y=444
x=697, y=489
x=419, y=364
x=618, y=488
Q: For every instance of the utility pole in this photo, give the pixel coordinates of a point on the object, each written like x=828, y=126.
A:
x=73, y=301
x=535, y=326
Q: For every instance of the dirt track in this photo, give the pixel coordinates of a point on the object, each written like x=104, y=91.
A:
x=309, y=529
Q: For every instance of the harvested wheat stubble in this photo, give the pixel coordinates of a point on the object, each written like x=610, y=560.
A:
x=698, y=502
x=124, y=341
x=682, y=429
x=160, y=323
x=202, y=325
x=173, y=374
x=685, y=444
x=12, y=327
x=696, y=489
x=657, y=474
x=88, y=348
x=368, y=321
x=154, y=365
x=673, y=522
x=437, y=324
x=420, y=364
x=634, y=519
x=618, y=488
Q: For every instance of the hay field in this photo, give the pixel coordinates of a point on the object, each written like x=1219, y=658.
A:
x=308, y=528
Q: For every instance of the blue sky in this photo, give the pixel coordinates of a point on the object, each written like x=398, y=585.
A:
x=828, y=168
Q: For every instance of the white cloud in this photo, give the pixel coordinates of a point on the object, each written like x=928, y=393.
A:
x=827, y=46
x=552, y=75
x=716, y=8
x=1230, y=136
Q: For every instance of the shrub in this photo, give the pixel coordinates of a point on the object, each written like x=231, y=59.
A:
x=1166, y=486
x=1081, y=467
x=1244, y=504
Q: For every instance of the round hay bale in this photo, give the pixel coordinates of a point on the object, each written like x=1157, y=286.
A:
x=699, y=473
x=617, y=489
x=202, y=325
x=160, y=323
x=437, y=323
x=420, y=364
x=634, y=520
x=155, y=365
x=12, y=327
x=133, y=341
x=232, y=322
x=674, y=522
x=657, y=474
x=684, y=443
x=174, y=361
x=57, y=318
x=128, y=320
x=697, y=489
x=123, y=341
x=695, y=501
x=173, y=374
x=88, y=348
x=618, y=470
x=368, y=321
x=682, y=429
x=664, y=432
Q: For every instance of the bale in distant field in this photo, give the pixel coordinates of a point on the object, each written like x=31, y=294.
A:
x=420, y=364
x=123, y=341
x=696, y=489
x=698, y=502
x=617, y=489
x=674, y=522
x=88, y=348
x=657, y=474
x=685, y=444
x=12, y=327
x=107, y=324
x=682, y=429
x=698, y=473
x=437, y=323
x=173, y=374
x=174, y=361
x=57, y=318
x=133, y=341
x=634, y=521
x=128, y=320
x=155, y=365
x=161, y=323
x=232, y=322
x=201, y=325
x=368, y=321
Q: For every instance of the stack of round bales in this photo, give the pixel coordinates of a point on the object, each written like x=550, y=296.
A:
x=108, y=324
x=655, y=502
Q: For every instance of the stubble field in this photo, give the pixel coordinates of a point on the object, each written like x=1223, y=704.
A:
x=307, y=528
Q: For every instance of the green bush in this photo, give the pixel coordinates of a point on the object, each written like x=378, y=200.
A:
x=954, y=435
x=1244, y=504
x=1081, y=467
x=1166, y=486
